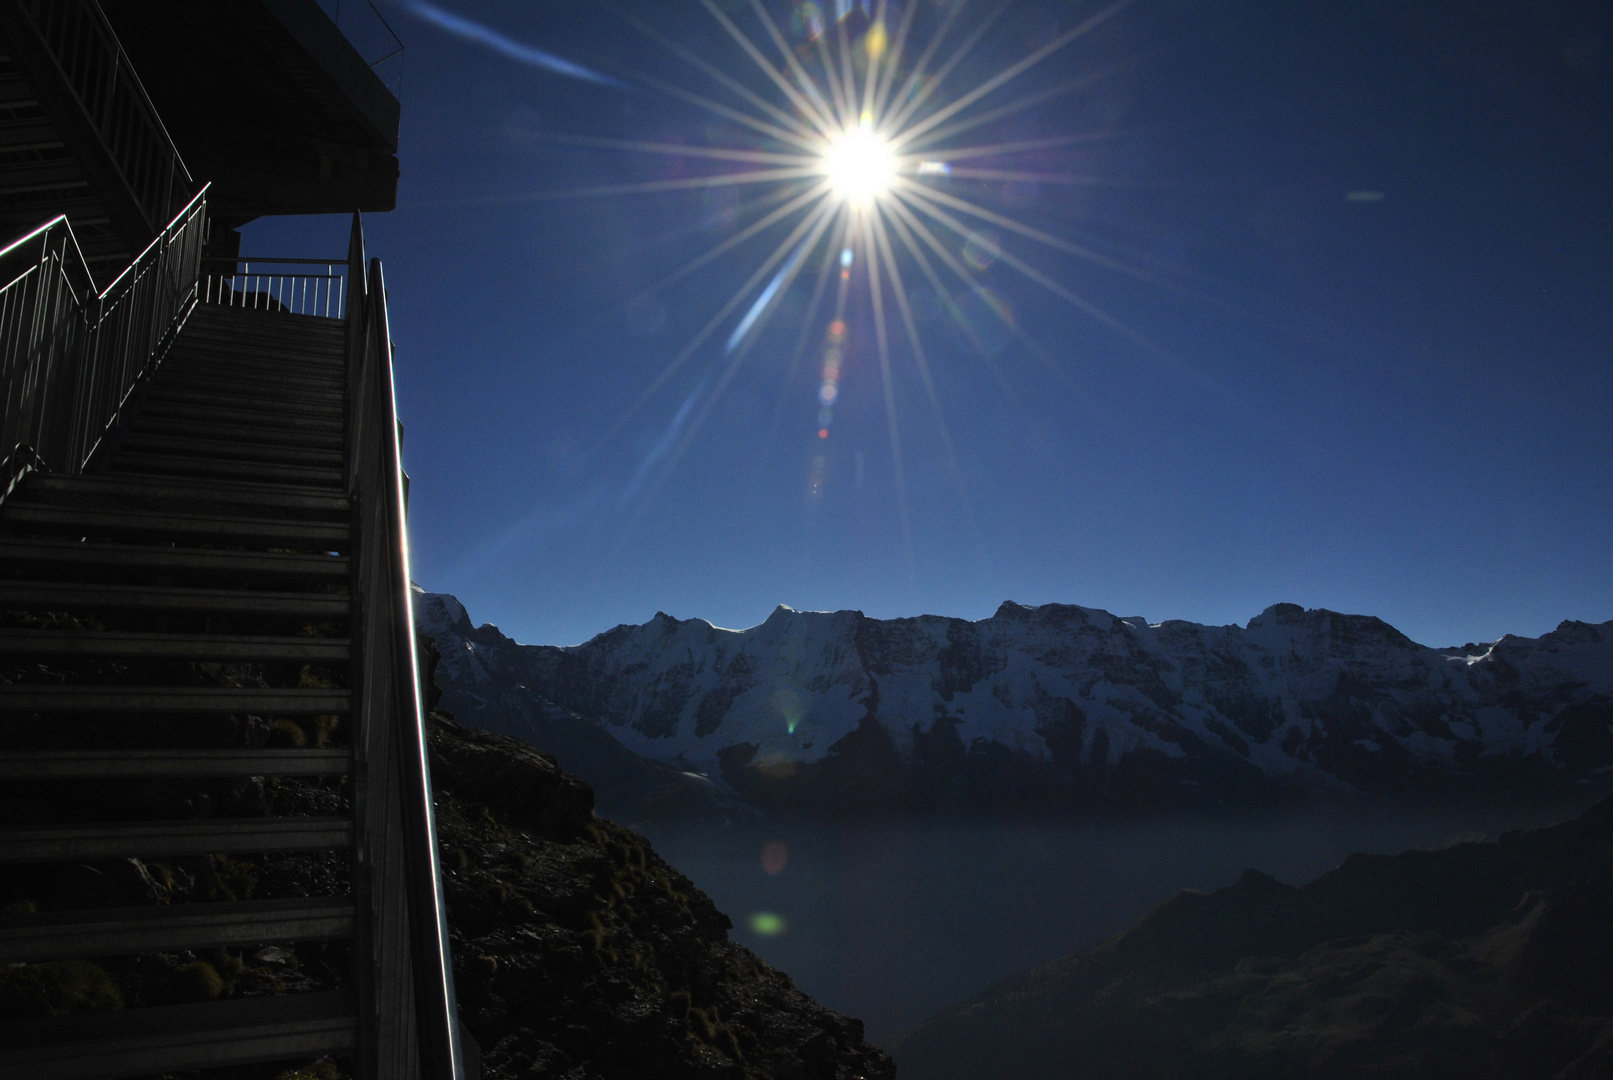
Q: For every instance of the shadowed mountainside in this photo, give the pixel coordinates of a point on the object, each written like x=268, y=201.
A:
x=1481, y=960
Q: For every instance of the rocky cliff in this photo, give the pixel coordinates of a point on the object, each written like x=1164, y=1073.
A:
x=1043, y=709
x=580, y=954
x=1483, y=960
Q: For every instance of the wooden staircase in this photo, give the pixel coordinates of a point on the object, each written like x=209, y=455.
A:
x=182, y=619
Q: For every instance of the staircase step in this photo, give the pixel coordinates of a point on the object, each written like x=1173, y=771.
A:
x=320, y=357
x=134, y=485
x=126, y=764
x=253, y=382
x=138, y=442
x=268, y=363
x=243, y=431
x=328, y=415
x=208, y=394
x=271, y=418
x=129, y=931
x=238, y=319
x=29, y=698
x=296, y=342
x=178, y=1038
x=232, y=836
x=315, y=332
x=248, y=327
x=71, y=553
x=249, y=392
x=311, y=534
x=310, y=351
x=41, y=175
x=295, y=346
x=53, y=596
x=186, y=465
x=29, y=137
x=100, y=643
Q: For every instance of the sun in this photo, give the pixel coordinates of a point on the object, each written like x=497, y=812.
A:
x=860, y=164
x=870, y=179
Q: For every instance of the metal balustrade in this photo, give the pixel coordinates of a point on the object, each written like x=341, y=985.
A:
x=277, y=285
x=72, y=56
x=70, y=356
x=397, y=1014
x=410, y=998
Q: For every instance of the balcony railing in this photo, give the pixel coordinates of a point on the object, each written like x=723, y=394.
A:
x=70, y=356
x=297, y=286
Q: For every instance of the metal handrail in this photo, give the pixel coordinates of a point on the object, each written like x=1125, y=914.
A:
x=234, y=283
x=71, y=356
x=409, y=1015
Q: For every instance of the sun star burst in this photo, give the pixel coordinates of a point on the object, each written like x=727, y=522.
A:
x=853, y=133
x=860, y=164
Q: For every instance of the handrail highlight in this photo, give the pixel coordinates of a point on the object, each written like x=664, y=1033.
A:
x=412, y=997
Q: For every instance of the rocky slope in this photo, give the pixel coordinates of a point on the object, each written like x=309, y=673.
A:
x=580, y=954
x=1041, y=709
x=1482, y=960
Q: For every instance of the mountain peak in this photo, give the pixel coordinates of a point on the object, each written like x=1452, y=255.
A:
x=1082, y=703
x=1278, y=613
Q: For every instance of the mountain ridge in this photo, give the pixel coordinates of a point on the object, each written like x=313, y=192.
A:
x=1484, y=959
x=1057, y=707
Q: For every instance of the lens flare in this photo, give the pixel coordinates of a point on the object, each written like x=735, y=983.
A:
x=840, y=146
x=767, y=924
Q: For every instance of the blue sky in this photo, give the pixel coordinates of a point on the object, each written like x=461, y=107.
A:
x=1365, y=364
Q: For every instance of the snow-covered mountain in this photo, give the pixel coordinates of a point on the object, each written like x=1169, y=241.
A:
x=1053, y=707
